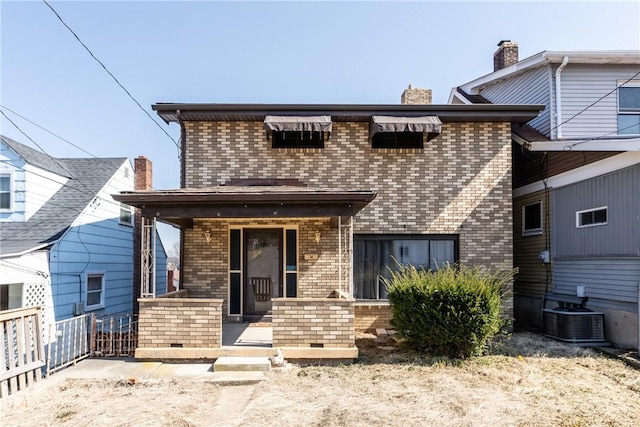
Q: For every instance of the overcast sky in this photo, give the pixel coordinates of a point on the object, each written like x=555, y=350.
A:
x=258, y=52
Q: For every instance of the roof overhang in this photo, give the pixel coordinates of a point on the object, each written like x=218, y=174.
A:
x=181, y=206
x=176, y=112
x=620, y=57
x=600, y=144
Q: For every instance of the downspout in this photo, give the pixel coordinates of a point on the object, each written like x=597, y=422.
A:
x=183, y=145
x=565, y=61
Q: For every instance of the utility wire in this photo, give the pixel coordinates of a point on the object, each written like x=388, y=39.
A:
x=569, y=147
x=112, y=76
x=37, y=145
x=48, y=131
x=594, y=103
x=58, y=136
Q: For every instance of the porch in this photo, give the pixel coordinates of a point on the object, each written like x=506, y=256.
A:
x=180, y=328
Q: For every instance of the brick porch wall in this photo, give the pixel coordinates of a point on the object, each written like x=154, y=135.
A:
x=187, y=321
x=371, y=315
x=301, y=322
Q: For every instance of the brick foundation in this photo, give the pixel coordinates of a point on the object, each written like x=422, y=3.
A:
x=310, y=322
x=372, y=315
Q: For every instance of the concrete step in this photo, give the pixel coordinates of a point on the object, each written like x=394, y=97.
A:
x=237, y=378
x=242, y=364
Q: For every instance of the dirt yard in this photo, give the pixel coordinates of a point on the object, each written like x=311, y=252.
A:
x=526, y=380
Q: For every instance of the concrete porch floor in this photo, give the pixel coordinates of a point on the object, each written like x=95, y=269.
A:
x=247, y=334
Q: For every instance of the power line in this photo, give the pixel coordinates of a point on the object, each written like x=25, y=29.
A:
x=58, y=136
x=594, y=103
x=569, y=147
x=113, y=77
x=48, y=131
x=37, y=145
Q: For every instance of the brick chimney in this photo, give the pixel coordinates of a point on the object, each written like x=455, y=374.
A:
x=507, y=54
x=416, y=95
x=143, y=174
x=142, y=180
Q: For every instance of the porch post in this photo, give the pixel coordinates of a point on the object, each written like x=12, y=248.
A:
x=148, y=258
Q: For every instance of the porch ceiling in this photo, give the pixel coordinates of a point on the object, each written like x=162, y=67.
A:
x=181, y=206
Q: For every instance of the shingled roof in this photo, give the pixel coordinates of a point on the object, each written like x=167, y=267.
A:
x=53, y=219
x=36, y=158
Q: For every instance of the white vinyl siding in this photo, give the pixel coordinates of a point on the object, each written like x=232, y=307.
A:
x=582, y=85
x=531, y=87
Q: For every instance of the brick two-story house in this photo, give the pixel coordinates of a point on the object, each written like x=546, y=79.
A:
x=298, y=210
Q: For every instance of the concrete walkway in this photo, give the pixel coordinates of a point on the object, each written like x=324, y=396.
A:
x=129, y=369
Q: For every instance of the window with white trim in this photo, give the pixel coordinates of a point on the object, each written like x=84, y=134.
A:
x=95, y=291
x=10, y=296
x=532, y=219
x=5, y=192
x=629, y=108
x=591, y=217
x=126, y=214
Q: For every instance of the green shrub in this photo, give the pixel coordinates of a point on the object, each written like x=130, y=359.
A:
x=451, y=312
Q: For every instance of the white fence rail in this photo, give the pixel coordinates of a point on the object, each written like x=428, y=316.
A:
x=68, y=342
x=22, y=355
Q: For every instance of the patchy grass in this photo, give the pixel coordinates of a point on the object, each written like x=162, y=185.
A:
x=524, y=380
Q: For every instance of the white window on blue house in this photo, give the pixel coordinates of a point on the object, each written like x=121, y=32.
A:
x=5, y=192
x=95, y=291
x=591, y=217
x=629, y=108
x=126, y=214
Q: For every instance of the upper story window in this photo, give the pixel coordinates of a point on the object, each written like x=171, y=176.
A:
x=5, y=192
x=297, y=139
x=532, y=219
x=629, y=108
x=591, y=217
x=403, y=132
x=126, y=215
x=398, y=140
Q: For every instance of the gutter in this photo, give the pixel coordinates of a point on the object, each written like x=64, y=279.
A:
x=558, y=129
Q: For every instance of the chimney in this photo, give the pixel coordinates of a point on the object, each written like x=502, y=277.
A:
x=507, y=54
x=418, y=96
x=142, y=180
x=143, y=174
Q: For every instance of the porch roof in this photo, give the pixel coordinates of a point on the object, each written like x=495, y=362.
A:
x=181, y=206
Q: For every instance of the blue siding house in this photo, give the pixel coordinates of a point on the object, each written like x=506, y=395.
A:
x=65, y=244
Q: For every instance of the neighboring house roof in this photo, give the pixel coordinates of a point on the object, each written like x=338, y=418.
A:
x=55, y=217
x=629, y=57
x=474, y=99
x=171, y=112
x=36, y=158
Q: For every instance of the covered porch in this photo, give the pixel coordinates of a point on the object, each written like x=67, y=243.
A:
x=251, y=254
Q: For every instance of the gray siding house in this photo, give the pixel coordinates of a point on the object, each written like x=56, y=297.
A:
x=576, y=179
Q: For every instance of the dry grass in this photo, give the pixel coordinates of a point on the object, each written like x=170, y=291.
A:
x=526, y=380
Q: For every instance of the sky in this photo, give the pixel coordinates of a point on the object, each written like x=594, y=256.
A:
x=257, y=52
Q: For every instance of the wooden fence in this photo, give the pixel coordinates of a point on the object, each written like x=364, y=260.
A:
x=22, y=355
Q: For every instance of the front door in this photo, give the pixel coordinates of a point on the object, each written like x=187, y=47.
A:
x=263, y=271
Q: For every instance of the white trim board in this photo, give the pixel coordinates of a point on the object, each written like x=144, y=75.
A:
x=592, y=170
